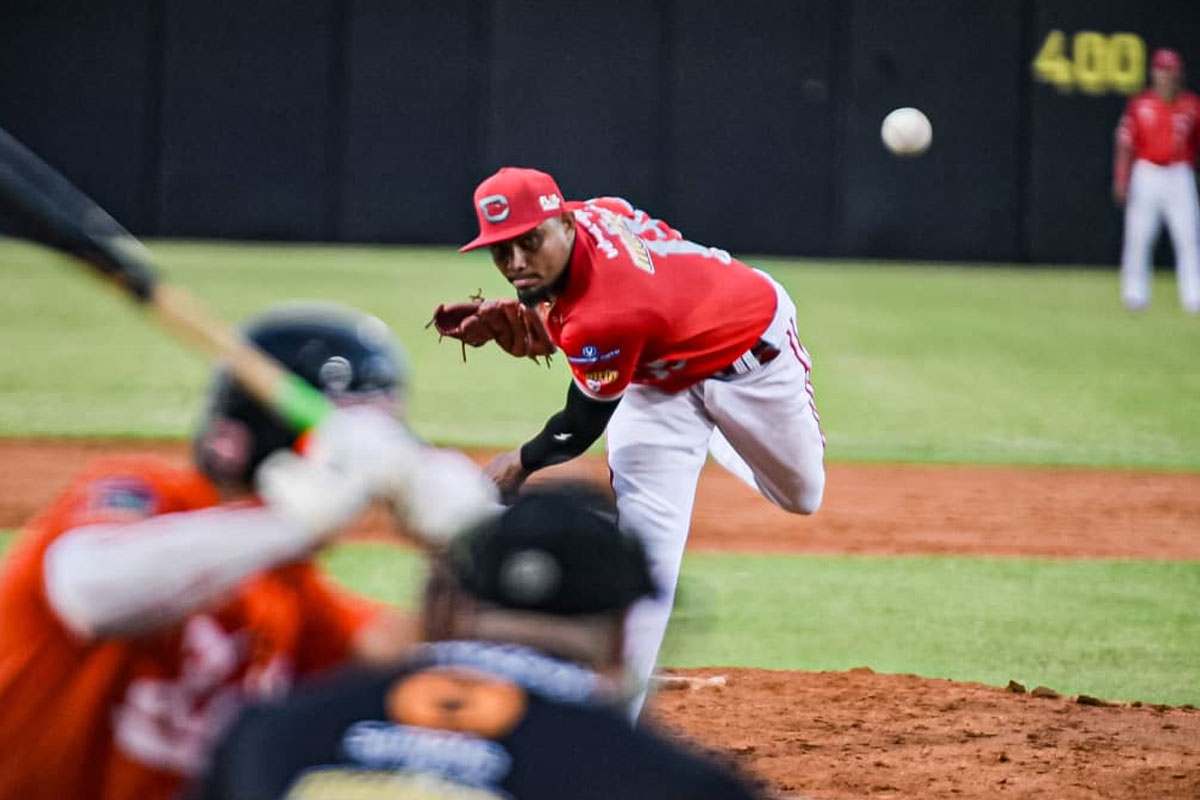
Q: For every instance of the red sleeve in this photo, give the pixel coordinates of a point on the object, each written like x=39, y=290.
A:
x=332, y=618
x=602, y=364
x=1124, y=146
x=1195, y=124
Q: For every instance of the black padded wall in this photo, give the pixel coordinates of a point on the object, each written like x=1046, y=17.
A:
x=753, y=126
x=247, y=97
x=77, y=84
x=415, y=87
x=960, y=64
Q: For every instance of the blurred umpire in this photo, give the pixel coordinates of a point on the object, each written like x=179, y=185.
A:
x=517, y=692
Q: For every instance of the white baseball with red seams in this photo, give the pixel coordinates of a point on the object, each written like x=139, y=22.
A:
x=906, y=132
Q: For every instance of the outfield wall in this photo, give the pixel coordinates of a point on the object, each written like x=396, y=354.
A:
x=753, y=125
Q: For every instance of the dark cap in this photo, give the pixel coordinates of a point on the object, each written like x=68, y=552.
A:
x=556, y=550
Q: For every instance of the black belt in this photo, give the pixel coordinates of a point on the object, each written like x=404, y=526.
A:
x=761, y=354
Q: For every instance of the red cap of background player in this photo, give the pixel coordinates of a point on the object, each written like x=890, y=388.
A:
x=1165, y=58
x=514, y=201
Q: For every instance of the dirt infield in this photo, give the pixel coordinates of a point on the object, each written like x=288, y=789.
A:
x=1065, y=513
x=859, y=734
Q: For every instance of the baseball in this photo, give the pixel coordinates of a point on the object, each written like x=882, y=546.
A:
x=906, y=132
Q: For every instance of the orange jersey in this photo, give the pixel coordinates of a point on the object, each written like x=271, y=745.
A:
x=1161, y=132
x=643, y=305
x=134, y=717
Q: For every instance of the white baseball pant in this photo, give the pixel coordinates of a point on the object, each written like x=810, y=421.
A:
x=762, y=426
x=1156, y=192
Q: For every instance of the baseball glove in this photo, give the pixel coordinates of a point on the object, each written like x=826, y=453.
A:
x=517, y=329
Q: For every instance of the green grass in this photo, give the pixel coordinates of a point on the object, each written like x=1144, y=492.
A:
x=913, y=363
x=1114, y=629
x=925, y=364
x=1121, y=630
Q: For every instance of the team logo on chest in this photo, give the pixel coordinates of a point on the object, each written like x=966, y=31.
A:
x=494, y=207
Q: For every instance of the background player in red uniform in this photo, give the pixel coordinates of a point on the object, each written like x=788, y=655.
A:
x=1154, y=177
x=676, y=348
x=137, y=613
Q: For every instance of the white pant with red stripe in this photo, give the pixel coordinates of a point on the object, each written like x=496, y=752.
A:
x=761, y=425
x=1156, y=192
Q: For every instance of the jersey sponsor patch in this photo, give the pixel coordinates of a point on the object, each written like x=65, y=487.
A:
x=121, y=499
x=598, y=379
x=591, y=354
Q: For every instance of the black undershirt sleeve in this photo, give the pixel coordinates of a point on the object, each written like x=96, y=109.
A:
x=569, y=432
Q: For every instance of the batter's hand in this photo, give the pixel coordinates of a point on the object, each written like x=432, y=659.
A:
x=506, y=472
x=446, y=495
x=1120, y=194
x=357, y=454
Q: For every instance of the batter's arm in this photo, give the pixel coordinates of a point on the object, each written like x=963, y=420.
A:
x=127, y=580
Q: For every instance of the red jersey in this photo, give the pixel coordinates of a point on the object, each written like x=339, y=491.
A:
x=125, y=718
x=643, y=305
x=1159, y=131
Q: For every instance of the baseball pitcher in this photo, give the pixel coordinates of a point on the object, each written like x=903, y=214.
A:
x=1154, y=177
x=674, y=347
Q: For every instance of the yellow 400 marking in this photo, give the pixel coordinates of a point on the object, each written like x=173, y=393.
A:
x=1097, y=63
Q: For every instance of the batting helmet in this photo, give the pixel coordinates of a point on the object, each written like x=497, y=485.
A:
x=349, y=355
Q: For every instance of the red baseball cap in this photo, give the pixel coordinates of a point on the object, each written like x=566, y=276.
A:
x=1166, y=58
x=514, y=201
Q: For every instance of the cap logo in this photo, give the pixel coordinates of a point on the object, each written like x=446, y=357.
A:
x=494, y=207
x=550, y=202
x=530, y=576
x=336, y=374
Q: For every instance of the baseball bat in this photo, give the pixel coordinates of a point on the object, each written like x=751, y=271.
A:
x=51, y=211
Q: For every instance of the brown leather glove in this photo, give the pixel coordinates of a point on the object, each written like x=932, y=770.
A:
x=517, y=329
